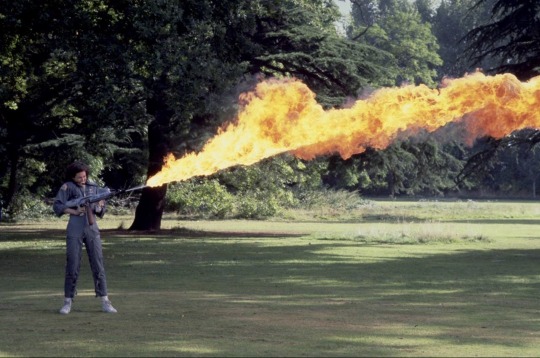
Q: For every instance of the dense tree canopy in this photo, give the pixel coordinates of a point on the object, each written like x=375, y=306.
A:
x=507, y=41
x=512, y=37
x=121, y=84
x=283, y=38
x=87, y=79
x=397, y=27
x=452, y=20
x=60, y=100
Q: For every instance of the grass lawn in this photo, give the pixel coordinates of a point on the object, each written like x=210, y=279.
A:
x=388, y=279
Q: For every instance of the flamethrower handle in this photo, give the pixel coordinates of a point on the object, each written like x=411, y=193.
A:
x=90, y=214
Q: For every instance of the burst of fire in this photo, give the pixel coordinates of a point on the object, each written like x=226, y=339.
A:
x=283, y=116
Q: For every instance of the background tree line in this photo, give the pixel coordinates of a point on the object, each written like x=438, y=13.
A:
x=121, y=84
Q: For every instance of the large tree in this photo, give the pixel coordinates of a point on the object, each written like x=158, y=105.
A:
x=101, y=81
x=61, y=91
x=397, y=27
x=451, y=22
x=512, y=36
x=201, y=48
x=510, y=39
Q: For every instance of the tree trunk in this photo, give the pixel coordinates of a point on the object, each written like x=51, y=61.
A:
x=391, y=184
x=13, y=182
x=152, y=203
x=150, y=209
x=14, y=147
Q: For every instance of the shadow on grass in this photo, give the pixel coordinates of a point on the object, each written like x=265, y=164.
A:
x=184, y=292
x=191, y=233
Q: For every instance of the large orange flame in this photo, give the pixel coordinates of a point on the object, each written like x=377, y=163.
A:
x=283, y=116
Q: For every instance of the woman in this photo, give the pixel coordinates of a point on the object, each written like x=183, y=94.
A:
x=82, y=229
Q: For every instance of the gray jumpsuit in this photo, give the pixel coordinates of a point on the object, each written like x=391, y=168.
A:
x=79, y=231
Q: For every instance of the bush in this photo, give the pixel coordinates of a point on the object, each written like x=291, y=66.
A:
x=256, y=205
x=27, y=207
x=206, y=198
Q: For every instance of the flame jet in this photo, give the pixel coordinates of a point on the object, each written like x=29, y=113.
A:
x=281, y=116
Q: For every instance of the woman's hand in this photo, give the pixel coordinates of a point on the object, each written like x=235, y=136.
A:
x=80, y=211
x=100, y=206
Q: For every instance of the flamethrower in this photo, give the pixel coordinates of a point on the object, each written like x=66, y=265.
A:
x=103, y=194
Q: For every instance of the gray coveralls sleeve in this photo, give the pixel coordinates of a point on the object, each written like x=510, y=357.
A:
x=79, y=232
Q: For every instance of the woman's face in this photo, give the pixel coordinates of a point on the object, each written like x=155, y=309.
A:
x=80, y=178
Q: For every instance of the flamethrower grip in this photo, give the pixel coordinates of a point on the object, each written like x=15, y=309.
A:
x=104, y=195
x=90, y=213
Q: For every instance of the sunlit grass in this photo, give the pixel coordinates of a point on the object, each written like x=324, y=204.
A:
x=422, y=233
x=407, y=210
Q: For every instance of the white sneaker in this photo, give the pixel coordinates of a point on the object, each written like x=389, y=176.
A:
x=108, y=307
x=66, y=308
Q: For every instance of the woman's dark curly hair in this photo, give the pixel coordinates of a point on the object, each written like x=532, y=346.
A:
x=76, y=167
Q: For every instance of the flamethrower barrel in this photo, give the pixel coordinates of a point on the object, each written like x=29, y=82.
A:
x=103, y=195
x=136, y=188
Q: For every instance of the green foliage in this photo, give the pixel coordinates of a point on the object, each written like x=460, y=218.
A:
x=273, y=176
x=511, y=37
x=511, y=165
x=331, y=66
x=210, y=199
x=407, y=167
x=63, y=90
x=451, y=22
x=27, y=207
x=255, y=204
x=205, y=198
x=397, y=28
x=120, y=84
x=258, y=191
